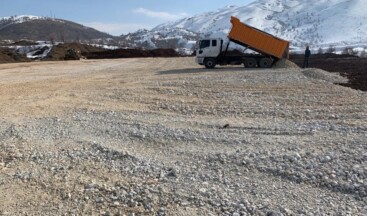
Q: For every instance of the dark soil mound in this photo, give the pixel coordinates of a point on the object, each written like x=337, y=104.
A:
x=352, y=67
x=24, y=43
x=59, y=52
x=131, y=53
x=10, y=56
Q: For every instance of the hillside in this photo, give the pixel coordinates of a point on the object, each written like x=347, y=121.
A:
x=48, y=29
x=163, y=38
x=317, y=22
x=43, y=28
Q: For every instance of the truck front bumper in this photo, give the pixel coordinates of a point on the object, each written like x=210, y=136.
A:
x=199, y=60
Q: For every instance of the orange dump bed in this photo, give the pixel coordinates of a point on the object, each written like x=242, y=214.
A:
x=258, y=40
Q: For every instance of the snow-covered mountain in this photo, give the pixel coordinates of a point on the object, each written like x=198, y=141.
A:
x=44, y=28
x=166, y=37
x=320, y=23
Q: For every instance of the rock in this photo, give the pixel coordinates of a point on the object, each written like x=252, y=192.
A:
x=325, y=159
x=252, y=155
x=90, y=186
x=286, y=211
x=225, y=126
x=99, y=200
x=115, y=204
x=172, y=172
x=297, y=156
x=114, y=197
x=274, y=213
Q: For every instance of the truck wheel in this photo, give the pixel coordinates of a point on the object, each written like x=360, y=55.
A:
x=250, y=63
x=265, y=62
x=209, y=63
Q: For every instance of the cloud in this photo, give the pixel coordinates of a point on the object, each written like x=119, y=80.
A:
x=115, y=29
x=160, y=14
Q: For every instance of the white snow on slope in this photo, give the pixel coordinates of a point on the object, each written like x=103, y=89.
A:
x=316, y=22
x=8, y=21
x=21, y=18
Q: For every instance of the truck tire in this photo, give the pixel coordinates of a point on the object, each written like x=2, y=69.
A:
x=250, y=63
x=265, y=62
x=210, y=63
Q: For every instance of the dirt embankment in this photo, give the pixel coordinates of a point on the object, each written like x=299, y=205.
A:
x=58, y=52
x=348, y=66
x=131, y=53
x=90, y=52
x=10, y=56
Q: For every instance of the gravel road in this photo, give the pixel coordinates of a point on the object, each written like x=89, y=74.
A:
x=162, y=136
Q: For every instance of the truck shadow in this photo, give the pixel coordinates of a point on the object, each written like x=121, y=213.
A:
x=203, y=70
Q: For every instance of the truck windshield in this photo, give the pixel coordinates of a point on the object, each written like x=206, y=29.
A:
x=204, y=43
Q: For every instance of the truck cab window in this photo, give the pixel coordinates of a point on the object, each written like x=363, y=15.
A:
x=214, y=43
x=204, y=44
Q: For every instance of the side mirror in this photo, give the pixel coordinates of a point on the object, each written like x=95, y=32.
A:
x=200, y=52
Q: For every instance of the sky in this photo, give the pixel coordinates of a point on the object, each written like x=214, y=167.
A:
x=115, y=17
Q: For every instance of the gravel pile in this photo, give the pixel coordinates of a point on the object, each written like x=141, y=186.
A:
x=223, y=142
x=319, y=74
x=284, y=63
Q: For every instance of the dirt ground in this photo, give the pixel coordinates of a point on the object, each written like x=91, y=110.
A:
x=352, y=67
x=164, y=136
x=348, y=66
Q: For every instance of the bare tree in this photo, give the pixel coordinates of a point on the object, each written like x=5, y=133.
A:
x=346, y=50
x=320, y=51
x=193, y=49
x=349, y=51
x=62, y=36
x=363, y=54
x=331, y=49
x=77, y=39
x=52, y=38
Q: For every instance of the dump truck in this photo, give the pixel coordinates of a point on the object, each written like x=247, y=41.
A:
x=269, y=49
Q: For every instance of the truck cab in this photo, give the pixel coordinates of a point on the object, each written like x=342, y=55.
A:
x=208, y=49
x=212, y=51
